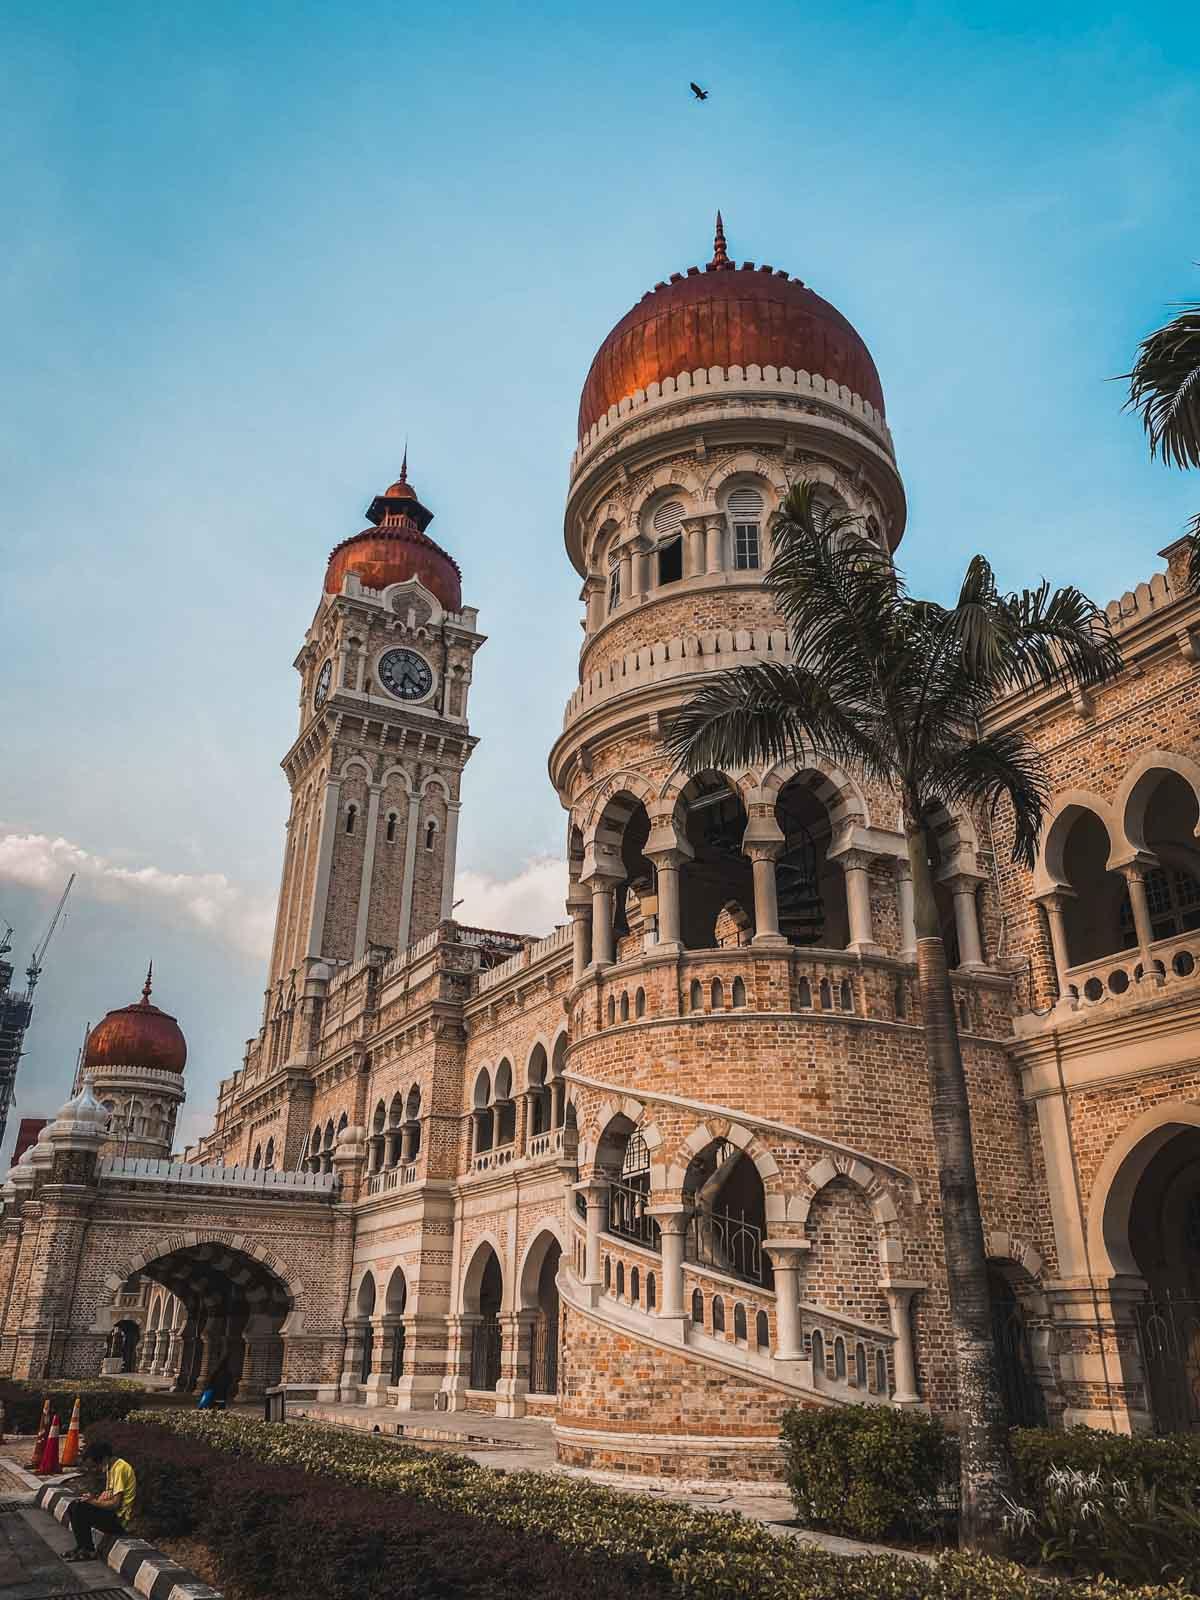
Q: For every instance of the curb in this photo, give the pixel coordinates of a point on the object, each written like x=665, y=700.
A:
x=150, y=1572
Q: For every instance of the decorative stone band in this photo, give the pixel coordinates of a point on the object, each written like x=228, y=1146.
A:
x=676, y=658
x=148, y=1570
x=770, y=380
x=148, y=1169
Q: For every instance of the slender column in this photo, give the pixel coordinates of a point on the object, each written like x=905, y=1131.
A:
x=856, y=866
x=962, y=886
x=899, y=1298
x=906, y=910
x=626, y=574
x=316, y=925
x=714, y=535
x=786, y=1258
x=579, y=908
x=595, y=1194
x=766, y=893
x=637, y=572
x=1054, y=905
x=603, y=941
x=410, y=866
x=593, y=597
x=368, y=869
x=449, y=859
x=693, y=544
x=672, y=1222
x=666, y=866
x=1135, y=879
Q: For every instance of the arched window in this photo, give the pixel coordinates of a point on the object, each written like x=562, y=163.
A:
x=668, y=553
x=839, y=1358
x=881, y=1373
x=762, y=1330
x=651, y=1292
x=803, y=993
x=390, y=831
x=351, y=816
x=739, y=1321
x=624, y=1008
x=718, y=995
x=697, y=995
x=818, y=1353
x=898, y=1004
x=257, y=1162
x=826, y=995
x=635, y=1287
x=612, y=1010
x=697, y=1308
x=739, y=993
x=846, y=1000
x=430, y=833
x=718, y=1314
x=269, y=1157
x=608, y=1272
x=620, y=1277
x=745, y=513
x=860, y=1365
x=639, y=1003
x=964, y=1016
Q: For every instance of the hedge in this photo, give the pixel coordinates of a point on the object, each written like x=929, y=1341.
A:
x=405, y=1522
x=98, y=1402
x=1170, y=1464
x=870, y=1472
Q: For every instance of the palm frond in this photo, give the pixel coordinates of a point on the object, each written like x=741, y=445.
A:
x=987, y=771
x=1056, y=636
x=1165, y=387
x=768, y=712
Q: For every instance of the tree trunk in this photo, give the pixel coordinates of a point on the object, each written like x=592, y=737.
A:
x=983, y=1435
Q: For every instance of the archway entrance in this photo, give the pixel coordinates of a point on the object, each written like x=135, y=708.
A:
x=123, y=1344
x=486, y=1334
x=1020, y=1392
x=235, y=1309
x=729, y=1216
x=1164, y=1237
x=540, y=1293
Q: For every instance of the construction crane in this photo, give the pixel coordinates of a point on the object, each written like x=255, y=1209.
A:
x=16, y=1009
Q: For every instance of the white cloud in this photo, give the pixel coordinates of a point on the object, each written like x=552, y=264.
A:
x=209, y=900
x=530, y=902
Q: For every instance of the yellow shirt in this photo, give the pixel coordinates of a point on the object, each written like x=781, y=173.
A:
x=121, y=1480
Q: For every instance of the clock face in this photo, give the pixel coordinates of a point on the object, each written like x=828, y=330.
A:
x=405, y=674
x=321, y=692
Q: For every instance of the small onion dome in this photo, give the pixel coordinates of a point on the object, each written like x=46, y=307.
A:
x=137, y=1036
x=726, y=316
x=396, y=547
x=83, y=1113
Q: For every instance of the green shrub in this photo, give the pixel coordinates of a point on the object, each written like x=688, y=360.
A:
x=406, y=1524
x=867, y=1471
x=98, y=1402
x=1170, y=1464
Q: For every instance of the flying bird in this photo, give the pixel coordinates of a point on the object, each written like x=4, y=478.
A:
x=701, y=94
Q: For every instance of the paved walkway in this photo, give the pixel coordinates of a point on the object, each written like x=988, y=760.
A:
x=526, y=1444
x=31, y=1568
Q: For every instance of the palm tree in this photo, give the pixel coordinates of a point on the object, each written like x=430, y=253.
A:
x=900, y=689
x=1165, y=387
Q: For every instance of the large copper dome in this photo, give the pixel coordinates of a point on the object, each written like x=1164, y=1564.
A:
x=396, y=547
x=137, y=1036
x=726, y=316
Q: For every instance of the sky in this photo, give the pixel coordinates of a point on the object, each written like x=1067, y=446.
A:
x=249, y=251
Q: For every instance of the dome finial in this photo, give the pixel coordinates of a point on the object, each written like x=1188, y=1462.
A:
x=404, y=464
x=720, y=256
x=147, y=984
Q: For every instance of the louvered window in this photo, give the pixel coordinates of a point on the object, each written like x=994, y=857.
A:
x=668, y=517
x=669, y=552
x=745, y=512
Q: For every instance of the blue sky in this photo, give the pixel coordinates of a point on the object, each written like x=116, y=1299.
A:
x=247, y=250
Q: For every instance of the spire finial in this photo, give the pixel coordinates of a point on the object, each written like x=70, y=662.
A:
x=147, y=984
x=720, y=257
x=404, y=464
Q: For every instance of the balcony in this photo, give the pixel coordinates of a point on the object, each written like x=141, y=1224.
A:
x=1121, y=982
x=392, y=1178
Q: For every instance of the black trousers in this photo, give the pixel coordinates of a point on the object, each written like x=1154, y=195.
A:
x=84, y=1516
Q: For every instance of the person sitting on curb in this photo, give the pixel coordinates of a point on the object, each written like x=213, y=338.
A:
x=108, y=1511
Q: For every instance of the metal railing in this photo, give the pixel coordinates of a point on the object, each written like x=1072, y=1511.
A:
x=726, y=1244
x=628, y=1217
x=486, y=1346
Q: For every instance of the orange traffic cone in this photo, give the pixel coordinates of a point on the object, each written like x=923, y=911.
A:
x=39, y=1442
x=70, y=1445
x=50, y=1453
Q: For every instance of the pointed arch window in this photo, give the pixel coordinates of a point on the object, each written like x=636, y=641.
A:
x=430, y=833
x=390, y=829
x=351, y=817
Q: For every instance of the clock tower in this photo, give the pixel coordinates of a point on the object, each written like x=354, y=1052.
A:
x=376, y=767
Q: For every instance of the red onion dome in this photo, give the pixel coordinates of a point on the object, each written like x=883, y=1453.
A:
x=396, y=547
x=137, y=1036
x=726, y=316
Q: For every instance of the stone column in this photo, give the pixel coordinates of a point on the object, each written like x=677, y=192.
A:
x=1054, y=905
x=579, y=909
x=787, y=1256
x=514, y=1363
x=672, y=1221
x=906, y=910
x=603, y=939
x=666, y=865
x=356, y=1329
x=329, y=822
x=714, y=537
x=461, y=1331
x=856, y=867
x=595, y=1194
x=899, y=1299
x=966, y=919
x=368, y=869
x=763, y=857
x=381, y=1360
x=1134, y=873
x=626, y=574
x=693, y=537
